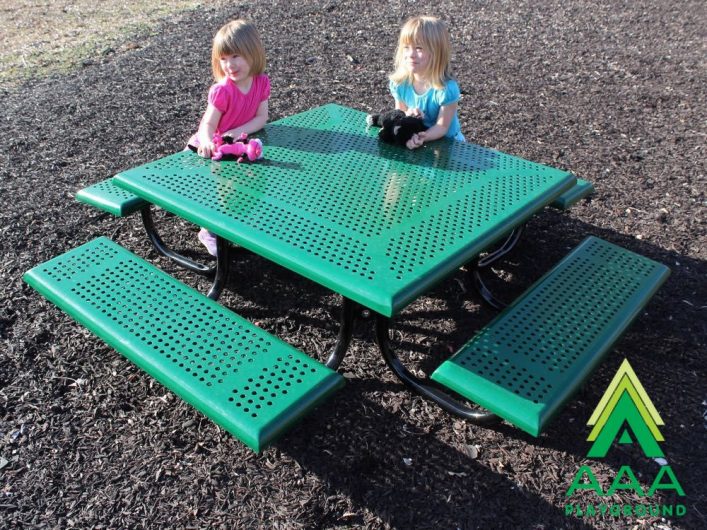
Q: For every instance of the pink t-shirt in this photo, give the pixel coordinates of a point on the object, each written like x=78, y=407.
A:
x=236, y=107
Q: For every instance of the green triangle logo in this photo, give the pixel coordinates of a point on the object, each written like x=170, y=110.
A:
x=625, y=412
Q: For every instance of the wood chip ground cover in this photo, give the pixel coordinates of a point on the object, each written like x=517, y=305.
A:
x=614, y=92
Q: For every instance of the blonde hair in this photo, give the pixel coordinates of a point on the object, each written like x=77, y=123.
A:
x=430, y=33
x=238, y=37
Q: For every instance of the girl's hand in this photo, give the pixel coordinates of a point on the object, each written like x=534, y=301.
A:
x=416, y=141
x=207, y=128
x=415, y=113
x=206, y=150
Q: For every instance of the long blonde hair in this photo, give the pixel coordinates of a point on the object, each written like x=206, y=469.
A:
x=430, y=33
x=238, y=37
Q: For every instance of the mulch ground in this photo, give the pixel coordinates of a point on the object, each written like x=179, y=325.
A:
x=612, y=91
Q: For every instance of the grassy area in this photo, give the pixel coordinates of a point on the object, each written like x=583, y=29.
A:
x=44, y=37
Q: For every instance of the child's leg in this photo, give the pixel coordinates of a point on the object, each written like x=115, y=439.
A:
x=208, y=239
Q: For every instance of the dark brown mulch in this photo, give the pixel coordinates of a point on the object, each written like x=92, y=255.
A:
x=613, y=91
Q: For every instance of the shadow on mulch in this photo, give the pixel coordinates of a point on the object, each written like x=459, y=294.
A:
x=612, y=92
x=381, y=469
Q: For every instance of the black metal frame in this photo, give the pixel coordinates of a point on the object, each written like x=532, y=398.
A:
x=160, y=247
x=425, y=388
x=218, y=272
x=223, y=267
x=349, y=311
x=504, y=249
x=485, y=263
x=346, y=321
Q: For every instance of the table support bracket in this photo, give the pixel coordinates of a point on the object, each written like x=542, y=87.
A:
x=348, y=315
x=162, y=249
x=486, y=261
x=423, y=388
x=484, y=291
x=504, y=249
x=223, y=266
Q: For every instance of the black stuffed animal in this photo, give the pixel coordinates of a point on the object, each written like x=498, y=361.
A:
x=396, y=127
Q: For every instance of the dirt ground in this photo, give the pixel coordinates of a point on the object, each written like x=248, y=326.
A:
x=612, y=91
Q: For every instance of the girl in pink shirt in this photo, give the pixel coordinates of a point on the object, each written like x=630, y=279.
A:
x=238, y=102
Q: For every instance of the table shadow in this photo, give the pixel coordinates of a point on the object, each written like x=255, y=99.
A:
x=406, y=476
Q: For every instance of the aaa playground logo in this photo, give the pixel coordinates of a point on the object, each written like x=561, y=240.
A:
x=625, y=412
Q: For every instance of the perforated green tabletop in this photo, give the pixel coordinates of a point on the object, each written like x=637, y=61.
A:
x=378, y=224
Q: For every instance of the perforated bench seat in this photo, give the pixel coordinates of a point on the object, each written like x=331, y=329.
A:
x=573, y=195
x=249, y=382
x=529, y=361
x=108, y=197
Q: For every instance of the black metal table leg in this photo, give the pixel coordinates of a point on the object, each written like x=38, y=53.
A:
x=484, y=291
x=160, y=247
x=504, y=249
x=223, y=266
x=485, y=263
x=423, y=388
x=348, y=315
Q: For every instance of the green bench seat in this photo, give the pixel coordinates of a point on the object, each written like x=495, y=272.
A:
x=573, y=195
x=108, y=197
x=247, y=381
x=528, y=361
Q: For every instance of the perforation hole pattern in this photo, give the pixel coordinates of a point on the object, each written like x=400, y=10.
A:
x=287, y=225
x=532, y=348
x=468, y=215
x=111, y=198
x=107, y=189
x=74, y=264
x=210, y=346
x=329, y=189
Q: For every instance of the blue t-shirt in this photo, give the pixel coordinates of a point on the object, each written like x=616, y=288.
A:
x=430, y=102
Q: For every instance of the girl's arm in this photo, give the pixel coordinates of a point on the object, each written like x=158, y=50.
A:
x=207, y=128
x=254, y=125
x=438, y=130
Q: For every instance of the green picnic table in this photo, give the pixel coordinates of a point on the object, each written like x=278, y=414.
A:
x=380, y=225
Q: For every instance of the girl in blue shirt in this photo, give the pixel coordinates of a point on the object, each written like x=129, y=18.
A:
x=422, y=83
